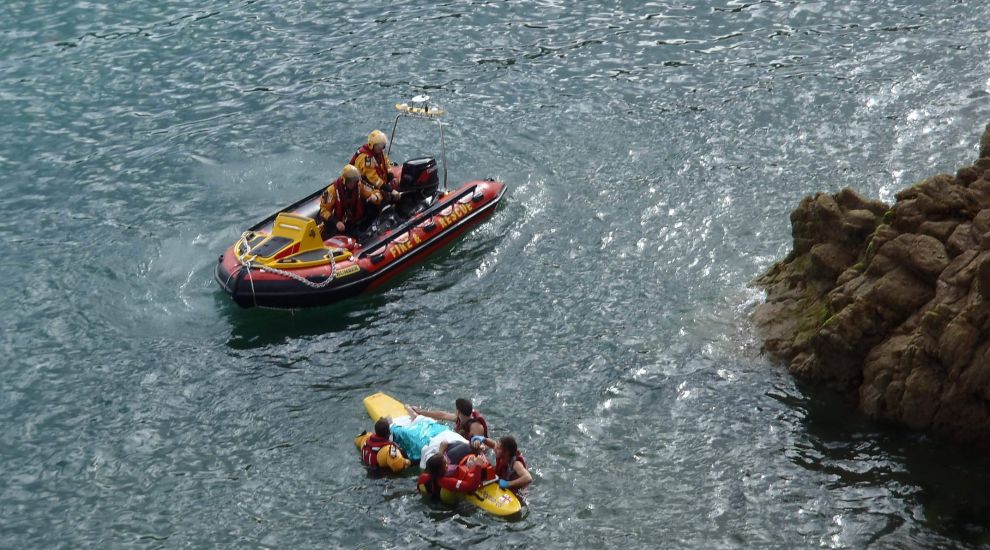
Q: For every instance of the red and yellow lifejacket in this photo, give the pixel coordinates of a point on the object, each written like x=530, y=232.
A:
x=369, y=451
x=350, y=204
x=374, y=168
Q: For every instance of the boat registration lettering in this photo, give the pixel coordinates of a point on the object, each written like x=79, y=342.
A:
x=346, y=271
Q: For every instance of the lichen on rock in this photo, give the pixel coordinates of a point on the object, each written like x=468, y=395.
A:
x=889, y=305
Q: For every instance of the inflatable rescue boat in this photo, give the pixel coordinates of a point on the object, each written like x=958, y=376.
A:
x=282, y=261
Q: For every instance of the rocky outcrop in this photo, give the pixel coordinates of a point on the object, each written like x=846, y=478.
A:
x=889, y=305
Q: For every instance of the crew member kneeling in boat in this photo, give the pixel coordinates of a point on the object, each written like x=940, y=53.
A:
x=379, y=452
x=375, y=166
x=342, y=205
x=465, y=476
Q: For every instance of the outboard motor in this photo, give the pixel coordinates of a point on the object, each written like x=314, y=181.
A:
x=420, y=174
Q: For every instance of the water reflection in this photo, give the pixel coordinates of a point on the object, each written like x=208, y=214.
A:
x=873, y=469
x=257, y=328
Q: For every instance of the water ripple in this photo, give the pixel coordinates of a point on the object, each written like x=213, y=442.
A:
x=653, y=152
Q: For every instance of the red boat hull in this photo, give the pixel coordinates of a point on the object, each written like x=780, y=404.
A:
x=372, y=264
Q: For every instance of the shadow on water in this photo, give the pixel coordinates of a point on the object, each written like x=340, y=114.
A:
x=948, y=482
x=256, y=327
x=954, y=483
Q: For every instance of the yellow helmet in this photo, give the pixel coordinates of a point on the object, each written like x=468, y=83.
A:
x=377, y=137
x=390, y=457
x=350, y=173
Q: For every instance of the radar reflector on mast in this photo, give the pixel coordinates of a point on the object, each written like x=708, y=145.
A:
x=419, y=105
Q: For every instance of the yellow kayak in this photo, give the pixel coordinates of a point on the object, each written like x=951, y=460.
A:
x=490, y=498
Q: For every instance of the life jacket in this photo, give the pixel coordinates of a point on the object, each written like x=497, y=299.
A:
x=465, y=427
x=456, y=477
x=348, y=202
x=487, y=471
x=381, y=162
x=506, y=468
x=427, y=486
x=369, y=452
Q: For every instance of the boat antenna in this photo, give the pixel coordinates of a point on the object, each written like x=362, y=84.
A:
x=419, y=107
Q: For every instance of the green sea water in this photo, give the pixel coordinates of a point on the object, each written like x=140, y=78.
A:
x=652, y=152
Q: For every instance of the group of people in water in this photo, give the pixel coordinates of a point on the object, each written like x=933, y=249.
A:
x=454, y=459
x=364, y=186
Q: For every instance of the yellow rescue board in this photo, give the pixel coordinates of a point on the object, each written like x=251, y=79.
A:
x=380, y=404
x=490, y=498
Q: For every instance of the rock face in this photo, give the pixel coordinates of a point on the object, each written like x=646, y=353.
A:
x=890, y=305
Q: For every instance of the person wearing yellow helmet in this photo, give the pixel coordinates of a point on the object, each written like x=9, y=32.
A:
x=342, y=203
x=375, y=166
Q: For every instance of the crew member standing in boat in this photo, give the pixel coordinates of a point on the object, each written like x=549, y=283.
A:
x=375, y=166
x=343, y=202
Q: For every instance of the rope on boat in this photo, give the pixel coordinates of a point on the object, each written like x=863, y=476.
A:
x=249, y=265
